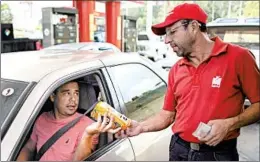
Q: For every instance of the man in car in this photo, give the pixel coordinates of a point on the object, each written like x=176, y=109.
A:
x=78, y=142
x=209, y=84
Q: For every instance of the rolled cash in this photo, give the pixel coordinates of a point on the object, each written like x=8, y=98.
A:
x=202, y=130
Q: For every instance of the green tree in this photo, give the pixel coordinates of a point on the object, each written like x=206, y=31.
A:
x=251, y=9
x=235, y=9
x=141, y=21
x=220, y=9
x=139, y=13
x=6, y=14
x=158, y=14
x=161, y=11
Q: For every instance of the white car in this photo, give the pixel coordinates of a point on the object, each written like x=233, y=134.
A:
x=86, y=46
x=130, y=83
x=151, y=46
x=236, y=20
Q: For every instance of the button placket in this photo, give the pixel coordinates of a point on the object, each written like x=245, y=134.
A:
x=196, y=78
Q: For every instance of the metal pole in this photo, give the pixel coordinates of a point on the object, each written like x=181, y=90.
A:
x=213, y=10
x=229, y=8
x=149, y=17
x=240, y=5
x=221, y=6
x=164, y=8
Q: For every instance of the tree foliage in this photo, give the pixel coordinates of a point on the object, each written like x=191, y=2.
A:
x=214, y=9
x=251, y=9
x=6, y=14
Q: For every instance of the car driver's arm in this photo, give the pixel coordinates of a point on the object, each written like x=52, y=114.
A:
x=86, y=144
x=27, y=152
x=84, y=148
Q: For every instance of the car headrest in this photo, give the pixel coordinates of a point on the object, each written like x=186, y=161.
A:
x=87, y=96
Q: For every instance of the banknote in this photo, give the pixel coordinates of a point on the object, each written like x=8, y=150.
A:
x=202, y=130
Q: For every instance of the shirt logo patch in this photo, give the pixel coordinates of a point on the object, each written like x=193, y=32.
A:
x=216, y=82
x=67, y=141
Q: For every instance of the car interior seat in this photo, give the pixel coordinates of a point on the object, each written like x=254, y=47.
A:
x=87, y=97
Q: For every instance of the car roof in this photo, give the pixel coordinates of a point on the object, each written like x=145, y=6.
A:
x=234, y=22
x=78, y=45
x=34, y=65
x=211, y=25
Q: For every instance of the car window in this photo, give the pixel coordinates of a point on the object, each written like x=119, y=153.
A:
x=142, y=37
x=245, y=36
x=252, y=20
x=231, y=20
x=142, y=90
x=11, y=91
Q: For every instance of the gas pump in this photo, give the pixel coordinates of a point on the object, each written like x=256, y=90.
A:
x=59, y=25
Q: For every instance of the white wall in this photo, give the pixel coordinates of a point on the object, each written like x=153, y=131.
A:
x=22, y=14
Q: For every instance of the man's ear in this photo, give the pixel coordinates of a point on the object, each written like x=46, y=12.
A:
x=195, y=25
x=52, y=97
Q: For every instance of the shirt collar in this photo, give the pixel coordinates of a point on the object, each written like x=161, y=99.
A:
x=219, y=47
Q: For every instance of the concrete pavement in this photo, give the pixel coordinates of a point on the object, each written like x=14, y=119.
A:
x=248, y=143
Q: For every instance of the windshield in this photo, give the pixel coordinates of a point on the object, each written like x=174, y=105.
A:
x=241, y=35
x=11, y=91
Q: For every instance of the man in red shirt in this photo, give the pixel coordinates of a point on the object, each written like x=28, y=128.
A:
x=209, y=84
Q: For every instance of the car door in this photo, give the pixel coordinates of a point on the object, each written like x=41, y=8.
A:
x=119, y=150
x=142, y=95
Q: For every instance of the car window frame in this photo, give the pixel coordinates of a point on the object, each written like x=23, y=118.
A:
x=18, y=146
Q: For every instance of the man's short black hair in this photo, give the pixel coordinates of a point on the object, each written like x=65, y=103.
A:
x=203, y=27
x=56, y=90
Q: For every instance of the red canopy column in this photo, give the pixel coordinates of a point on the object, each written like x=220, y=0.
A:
x=113, y=23
x=86, y=11
x=74, y=3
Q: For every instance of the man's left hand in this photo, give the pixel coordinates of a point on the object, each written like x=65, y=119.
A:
x=219, y=130
x=102, y=126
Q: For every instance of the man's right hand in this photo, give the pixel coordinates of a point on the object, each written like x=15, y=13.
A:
x=156, y=123
x=133, y=130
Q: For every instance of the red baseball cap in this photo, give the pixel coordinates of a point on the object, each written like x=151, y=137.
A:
x=180, y=12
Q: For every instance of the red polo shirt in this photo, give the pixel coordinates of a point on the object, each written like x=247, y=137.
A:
x=216, y=89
